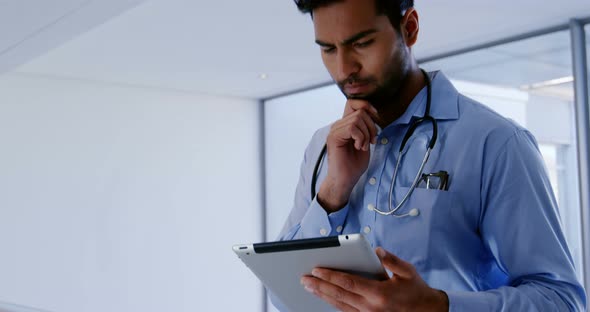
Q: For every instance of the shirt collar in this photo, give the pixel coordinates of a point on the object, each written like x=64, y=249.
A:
x=444, y=104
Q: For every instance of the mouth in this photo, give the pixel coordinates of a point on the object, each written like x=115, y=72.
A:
x=353, y=89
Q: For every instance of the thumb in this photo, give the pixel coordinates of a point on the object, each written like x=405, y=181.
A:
x=394, y=264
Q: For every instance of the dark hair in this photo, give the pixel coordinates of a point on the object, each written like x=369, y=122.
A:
x=391, y=8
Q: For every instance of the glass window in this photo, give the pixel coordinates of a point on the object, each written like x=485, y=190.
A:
x=531, y=82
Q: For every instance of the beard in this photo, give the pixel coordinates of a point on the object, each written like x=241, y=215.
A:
x=386, y=89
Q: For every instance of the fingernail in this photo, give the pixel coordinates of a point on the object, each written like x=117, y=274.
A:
x=380, y=252
x=309, y=289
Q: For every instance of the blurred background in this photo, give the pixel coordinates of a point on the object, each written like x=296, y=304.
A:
x=140, y=140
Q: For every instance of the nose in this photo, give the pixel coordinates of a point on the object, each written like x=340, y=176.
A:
x=347, y=65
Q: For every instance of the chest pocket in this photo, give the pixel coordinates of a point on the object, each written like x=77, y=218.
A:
x=415, y=239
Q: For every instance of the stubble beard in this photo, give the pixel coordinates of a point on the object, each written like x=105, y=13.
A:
x=385, y=93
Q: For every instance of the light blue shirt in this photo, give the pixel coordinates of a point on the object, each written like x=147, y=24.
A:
x=492, y=242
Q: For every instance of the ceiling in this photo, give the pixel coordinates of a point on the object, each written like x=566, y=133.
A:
x=30, y=28
x=223, y=47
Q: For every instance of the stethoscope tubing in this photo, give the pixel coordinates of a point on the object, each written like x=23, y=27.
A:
x=413, y=126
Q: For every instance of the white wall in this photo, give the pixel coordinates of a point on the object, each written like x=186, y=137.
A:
x=115, y=198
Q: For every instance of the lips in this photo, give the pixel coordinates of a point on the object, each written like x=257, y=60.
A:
x=356, y=88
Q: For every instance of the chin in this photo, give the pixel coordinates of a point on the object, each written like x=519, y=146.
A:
x=358, y=96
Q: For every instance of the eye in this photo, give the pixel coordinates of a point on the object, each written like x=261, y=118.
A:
x=363, y=44
x=328, y=50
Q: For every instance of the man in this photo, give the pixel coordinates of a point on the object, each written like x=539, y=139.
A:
x=486, y=239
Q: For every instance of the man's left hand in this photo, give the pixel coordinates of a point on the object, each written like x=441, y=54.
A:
x=404, y=291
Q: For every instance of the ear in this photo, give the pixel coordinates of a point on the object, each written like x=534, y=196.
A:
x=410, y=27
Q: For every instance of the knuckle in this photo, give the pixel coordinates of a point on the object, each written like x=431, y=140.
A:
x=360, y=104
x=348, y=283
x=350, y=128
x=336, y=125
x=378, y=304
x=339, y=294
x=330, y=137
x=356, y=117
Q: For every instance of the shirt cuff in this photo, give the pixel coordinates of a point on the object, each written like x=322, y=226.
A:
x=317, y=222
x=460, y=301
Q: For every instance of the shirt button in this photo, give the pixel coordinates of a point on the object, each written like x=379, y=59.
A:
x=367, y=229
x=371, y=207
x=323, y=232
x=384, y=141
x=339, y=229
x=372, y=181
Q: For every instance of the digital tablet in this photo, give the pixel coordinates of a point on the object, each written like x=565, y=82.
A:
x=280, y=265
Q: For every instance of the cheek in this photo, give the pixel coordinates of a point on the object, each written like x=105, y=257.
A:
x=328, y=63
x=376, y=63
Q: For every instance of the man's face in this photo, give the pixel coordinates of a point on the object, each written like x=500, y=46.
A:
x=363, y=52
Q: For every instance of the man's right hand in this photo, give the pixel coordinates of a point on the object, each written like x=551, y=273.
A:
x=348, y=153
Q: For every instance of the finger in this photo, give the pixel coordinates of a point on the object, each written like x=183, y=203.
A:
x=368, y=126
x=332, y=293
x=396, y=265
x=364, y=123
x=355, y=105
x=339, y=305
x=344, y=129
x=349, y=108
x=350, y=128
x=349, y=282
x=359, y=135
x=371, y=127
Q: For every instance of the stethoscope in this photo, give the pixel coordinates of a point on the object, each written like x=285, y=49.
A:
x=413, y=126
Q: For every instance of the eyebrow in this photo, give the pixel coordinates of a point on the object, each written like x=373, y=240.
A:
x=350, y=39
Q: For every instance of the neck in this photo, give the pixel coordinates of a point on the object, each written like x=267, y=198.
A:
x=398, y=103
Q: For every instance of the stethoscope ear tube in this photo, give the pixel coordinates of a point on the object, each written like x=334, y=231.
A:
x=415, y=125
x=316, y=170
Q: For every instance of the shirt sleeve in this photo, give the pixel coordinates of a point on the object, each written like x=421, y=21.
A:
x=520, y=225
